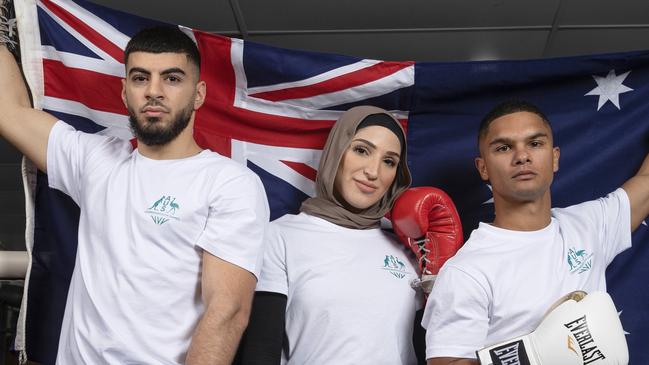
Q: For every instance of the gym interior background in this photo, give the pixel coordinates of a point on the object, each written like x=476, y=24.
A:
x=419, y=30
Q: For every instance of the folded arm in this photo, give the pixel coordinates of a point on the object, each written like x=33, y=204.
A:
x=227, y=295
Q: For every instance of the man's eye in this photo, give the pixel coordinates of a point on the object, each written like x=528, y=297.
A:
x=503, y=148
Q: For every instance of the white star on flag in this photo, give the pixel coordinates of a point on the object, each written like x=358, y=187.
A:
x=625, y=332
x=610, y=88
x=491, y=200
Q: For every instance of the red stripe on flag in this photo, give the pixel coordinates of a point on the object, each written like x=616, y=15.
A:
x=302, y=169
x=216, y=67
x=260, y=128
x=85, y=30
x=356, y=78
x=95, y=90
x=209, y=140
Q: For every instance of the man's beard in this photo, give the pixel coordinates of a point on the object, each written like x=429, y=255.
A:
x=152, y=133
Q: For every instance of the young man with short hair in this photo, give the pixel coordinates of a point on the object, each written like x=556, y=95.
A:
x=170, y=235
x=510, y=271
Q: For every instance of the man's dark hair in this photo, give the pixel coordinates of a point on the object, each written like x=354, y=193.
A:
x=506, y=108
x=163, y=39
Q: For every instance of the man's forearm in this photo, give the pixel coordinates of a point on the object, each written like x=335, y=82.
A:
x=14, y=93
x=637, y=188
x=216, y=337
x=27, y=129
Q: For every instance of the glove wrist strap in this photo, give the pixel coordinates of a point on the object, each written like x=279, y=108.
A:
x=519, y=350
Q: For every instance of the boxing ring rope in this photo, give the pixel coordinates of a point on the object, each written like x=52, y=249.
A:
x=13, y=265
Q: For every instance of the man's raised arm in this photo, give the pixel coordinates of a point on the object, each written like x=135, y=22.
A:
x=24, y=127
x=637, y=188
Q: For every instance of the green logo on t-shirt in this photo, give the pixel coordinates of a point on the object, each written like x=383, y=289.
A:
x=395, y=266
x=579, y=261
x=163, y=209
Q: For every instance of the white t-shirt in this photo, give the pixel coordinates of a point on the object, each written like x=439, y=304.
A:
x=135, y=294
x=349, y=295
x=501, y=282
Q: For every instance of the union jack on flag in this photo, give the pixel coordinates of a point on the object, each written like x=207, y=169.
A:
x=274, y=122
x=272, y=108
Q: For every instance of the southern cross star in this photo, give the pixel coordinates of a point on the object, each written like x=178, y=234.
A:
x=609, y=88
x=491, y=200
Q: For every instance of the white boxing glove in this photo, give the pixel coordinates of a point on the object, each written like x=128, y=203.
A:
x=579, y=333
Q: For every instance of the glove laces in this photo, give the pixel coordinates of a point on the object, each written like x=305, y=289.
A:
x=8, y=27
x=425, y=283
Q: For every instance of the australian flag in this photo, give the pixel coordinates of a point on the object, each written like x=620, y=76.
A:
x=271, y=109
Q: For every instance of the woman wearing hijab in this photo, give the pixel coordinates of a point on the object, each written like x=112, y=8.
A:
x=334, y=287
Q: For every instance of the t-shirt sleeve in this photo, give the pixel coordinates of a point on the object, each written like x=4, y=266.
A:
x=71, y=156
x=236, y=223
x=456, y=316
x=610, y=216
x=274, y=277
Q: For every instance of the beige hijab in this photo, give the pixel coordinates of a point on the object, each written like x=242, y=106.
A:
x=325, y=205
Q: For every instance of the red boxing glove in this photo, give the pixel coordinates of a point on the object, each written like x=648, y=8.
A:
x=426, y=221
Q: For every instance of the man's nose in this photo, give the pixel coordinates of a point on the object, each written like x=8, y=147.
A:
x=154, y=88
x=522, y=156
